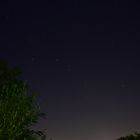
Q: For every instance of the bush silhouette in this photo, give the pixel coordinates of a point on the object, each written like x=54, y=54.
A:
x=135, y=136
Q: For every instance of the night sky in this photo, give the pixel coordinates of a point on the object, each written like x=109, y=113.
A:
x=82, y=59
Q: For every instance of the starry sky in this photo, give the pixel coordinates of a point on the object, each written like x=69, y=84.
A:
x=82, y=59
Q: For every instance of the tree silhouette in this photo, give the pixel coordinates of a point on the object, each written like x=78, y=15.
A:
x=135, y=136
x=18, y=109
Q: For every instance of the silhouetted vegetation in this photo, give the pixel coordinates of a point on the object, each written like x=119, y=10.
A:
x=135, y=136
x=18, y=110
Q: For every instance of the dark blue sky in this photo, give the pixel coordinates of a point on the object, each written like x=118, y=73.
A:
x=83, y=61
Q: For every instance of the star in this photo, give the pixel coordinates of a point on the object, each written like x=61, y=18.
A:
x=57, y=59
x=123, y=85
x=69, y=68
x=6, y=17
x=33, y=59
